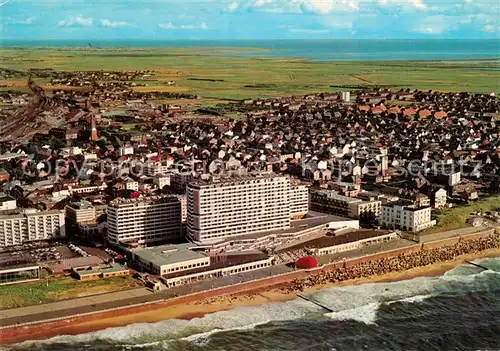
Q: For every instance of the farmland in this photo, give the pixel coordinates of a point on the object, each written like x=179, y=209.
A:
x=217, y=74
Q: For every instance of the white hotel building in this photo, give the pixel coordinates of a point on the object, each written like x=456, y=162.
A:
x=144, y=220
x=410, y=218
x=235, y=206
x=299, y=200
x=31, y=226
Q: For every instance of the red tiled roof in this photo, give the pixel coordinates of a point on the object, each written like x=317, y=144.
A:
x=424, y=113
x=394, y=110
x=440, y=115
x=409, y=111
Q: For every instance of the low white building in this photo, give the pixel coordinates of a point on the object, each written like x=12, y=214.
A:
x=7, y=203
x=131, y=185
x=161, y=180
x=408, y=218
x=440, y=198
x=126, y=150
x=167, y=259
x=357, y=243
x=152, y=168
x=186, y=263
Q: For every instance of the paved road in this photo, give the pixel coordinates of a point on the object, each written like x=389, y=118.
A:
x=123, y=298
x=425, y=238
x=137, y=296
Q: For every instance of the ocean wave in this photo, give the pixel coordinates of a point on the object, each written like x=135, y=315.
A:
x=365, y=314
x=189, y=330
x=357, y=302
x=413, y=299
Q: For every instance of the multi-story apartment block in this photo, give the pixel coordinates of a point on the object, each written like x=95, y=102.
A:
x=179, y=180
x=410, y=218
x=299, y=201
x=161, y=180
x=45, y=225
x=154, y=168
x=79, y=214
x=357, y=209
x=13, y=230
x=331, y=202
x=234, y=206
x=31, y=226
x=144, y=220
x=346, y=189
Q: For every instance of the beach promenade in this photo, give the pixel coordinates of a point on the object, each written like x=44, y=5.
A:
x=22, y=323
x=123, y=299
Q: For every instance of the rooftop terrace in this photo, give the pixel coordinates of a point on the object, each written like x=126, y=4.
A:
x=169, y=254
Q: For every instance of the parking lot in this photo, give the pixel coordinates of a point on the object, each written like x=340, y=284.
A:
x=35, y=253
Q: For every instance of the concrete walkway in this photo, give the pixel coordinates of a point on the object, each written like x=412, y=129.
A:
x=74, y=303
x=126, y=298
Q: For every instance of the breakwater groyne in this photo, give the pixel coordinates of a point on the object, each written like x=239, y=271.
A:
x=376, y=264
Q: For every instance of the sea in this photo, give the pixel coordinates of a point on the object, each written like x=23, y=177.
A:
x=459, y=310
x=319, y=50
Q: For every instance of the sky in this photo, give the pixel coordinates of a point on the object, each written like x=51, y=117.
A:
x=249, y=19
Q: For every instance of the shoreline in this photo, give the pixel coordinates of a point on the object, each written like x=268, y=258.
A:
x=164, y=310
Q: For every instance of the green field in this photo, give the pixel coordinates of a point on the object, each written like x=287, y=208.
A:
x=59, y=288
x=455, y=218
x=250, y=77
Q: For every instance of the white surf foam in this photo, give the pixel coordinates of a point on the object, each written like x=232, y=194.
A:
x=365, y=314
x=191, y=330
x=358, y=302
x=414, y=299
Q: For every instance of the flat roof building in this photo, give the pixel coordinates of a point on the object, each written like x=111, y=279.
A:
x=144, y=220
x=328, y=201
x=77, y=213
x=185, y=263
x=7, y=203
x=110, y=270
x=167, y=259
x=410, y=218
x=31, y=225
x=21, y=274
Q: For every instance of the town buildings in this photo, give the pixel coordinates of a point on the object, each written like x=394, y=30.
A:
x=79, y=213
x=81, y=218
x=328, y=201
x=144, y=220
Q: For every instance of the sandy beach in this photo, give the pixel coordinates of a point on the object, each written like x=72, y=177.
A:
x=432, y=259
x=259, y=297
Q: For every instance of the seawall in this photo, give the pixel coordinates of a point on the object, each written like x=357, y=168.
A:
x=39, y=329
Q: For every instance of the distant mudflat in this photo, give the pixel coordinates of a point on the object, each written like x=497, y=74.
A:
x=323, y=50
